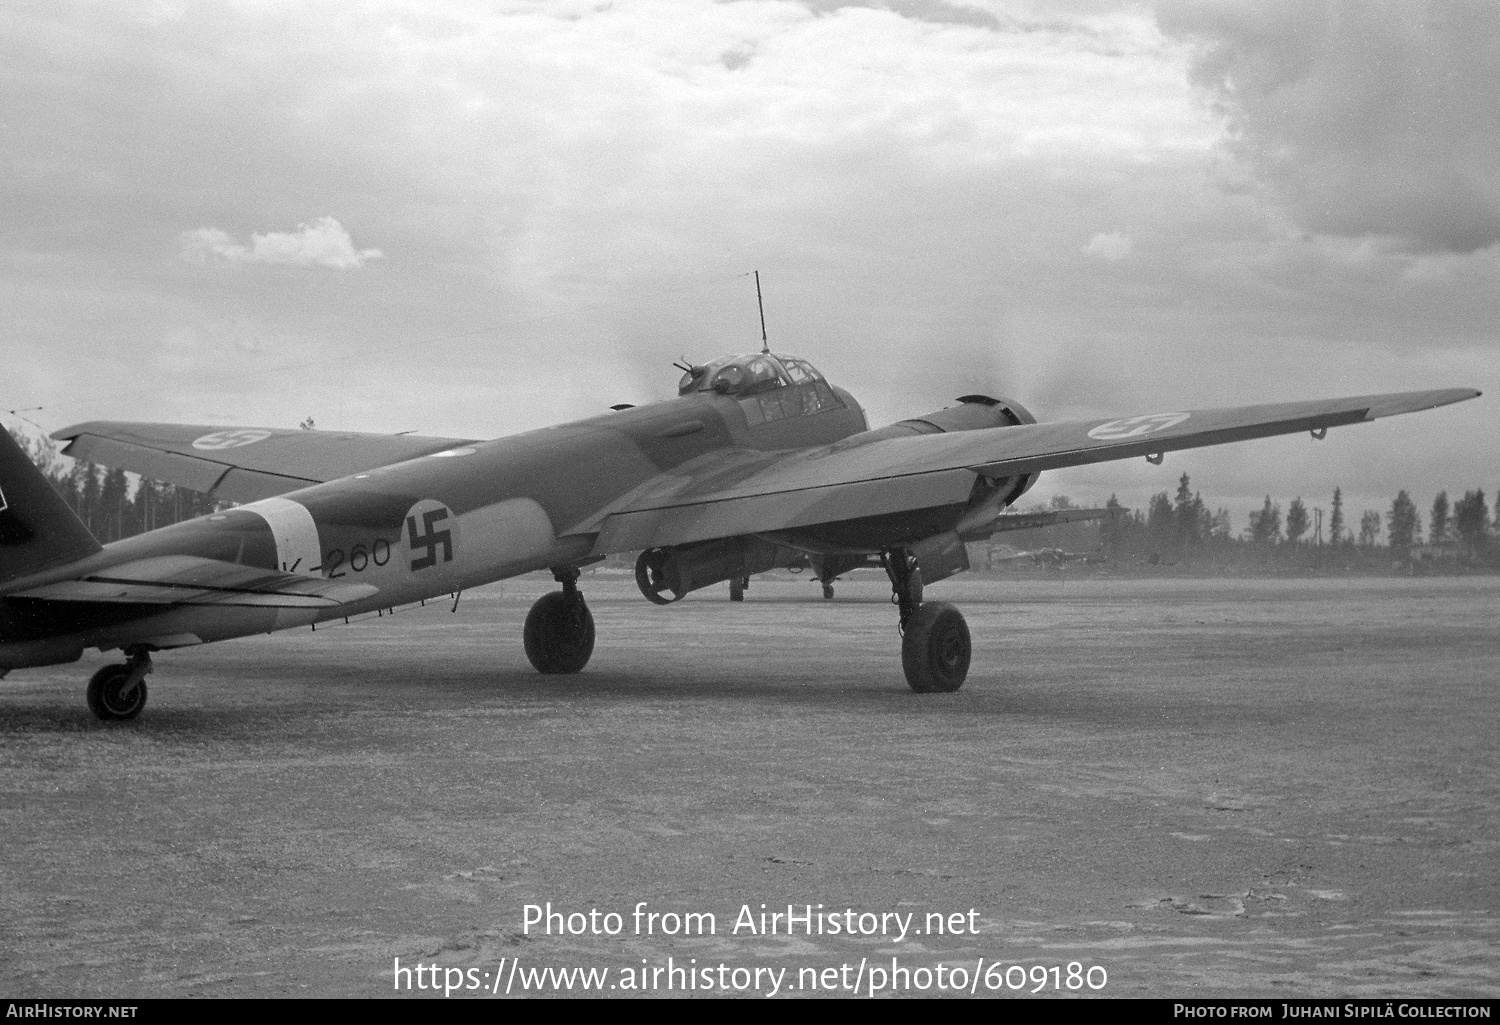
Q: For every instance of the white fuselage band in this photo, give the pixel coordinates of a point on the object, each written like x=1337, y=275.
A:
x=297, y=548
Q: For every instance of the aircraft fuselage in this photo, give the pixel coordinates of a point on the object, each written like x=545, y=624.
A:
x=429, y=526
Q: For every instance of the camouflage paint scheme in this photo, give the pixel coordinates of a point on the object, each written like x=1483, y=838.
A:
x=339, y=524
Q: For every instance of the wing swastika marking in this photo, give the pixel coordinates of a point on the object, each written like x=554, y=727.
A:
x=1136, y=426
x=230, y=439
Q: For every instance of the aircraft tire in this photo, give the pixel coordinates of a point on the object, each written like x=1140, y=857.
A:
x=935, y=649
x=736, y=589
x=653, y=589
x=827, y=591
x=559, y=633
x=104, y=696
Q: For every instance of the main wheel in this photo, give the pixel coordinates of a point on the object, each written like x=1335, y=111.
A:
x=827, y=590
x=559, y=633
x=105, y=696
x=650, y=578
x=935, y=649
x=737, y=588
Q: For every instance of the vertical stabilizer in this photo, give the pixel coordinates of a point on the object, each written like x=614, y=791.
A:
x=37, y=529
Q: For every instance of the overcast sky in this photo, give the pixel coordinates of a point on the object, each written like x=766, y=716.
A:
x=471, y=219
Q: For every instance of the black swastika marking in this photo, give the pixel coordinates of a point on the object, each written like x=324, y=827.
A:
x=430, y=540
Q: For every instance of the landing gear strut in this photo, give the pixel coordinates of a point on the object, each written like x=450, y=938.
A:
x=119, y=691
x=935, y=645
x=826, y=576
x=906, y=582
x=559, y=631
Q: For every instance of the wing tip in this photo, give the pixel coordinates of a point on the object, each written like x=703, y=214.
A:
x=1453, y=395
x=71, y=431
x=1415, y=402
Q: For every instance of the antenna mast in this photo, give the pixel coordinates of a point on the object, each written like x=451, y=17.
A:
x=765, y=346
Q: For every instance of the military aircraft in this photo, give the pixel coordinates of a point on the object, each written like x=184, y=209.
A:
x=757, y=453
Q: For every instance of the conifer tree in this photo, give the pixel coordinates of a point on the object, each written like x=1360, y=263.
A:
x=1296, y=520
x=1265, y=524
x=1403, y=525
x=1189, y=512
x=1161, y=522
x=1438, y=525
x=1471, y=520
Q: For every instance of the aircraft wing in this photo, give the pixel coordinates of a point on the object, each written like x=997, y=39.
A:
x=240, y=464
x=1045, y=518
x=707, y=499
x=190, y=580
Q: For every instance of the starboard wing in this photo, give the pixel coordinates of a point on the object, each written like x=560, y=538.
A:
x=706, y=499
x=240, y=464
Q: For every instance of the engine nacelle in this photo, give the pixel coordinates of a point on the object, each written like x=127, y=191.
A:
x=687, y=568
x=977, y=412
x=974, y=412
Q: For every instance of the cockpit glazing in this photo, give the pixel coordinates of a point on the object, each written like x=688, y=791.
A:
x=769, y=386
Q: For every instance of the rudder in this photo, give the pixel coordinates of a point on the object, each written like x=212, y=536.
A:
x=37, y=528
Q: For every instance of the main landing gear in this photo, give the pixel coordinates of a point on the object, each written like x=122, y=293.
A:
x=935, y=645
x=737, y=587
x=559, y=631
x=119, y=691
x=651, y=578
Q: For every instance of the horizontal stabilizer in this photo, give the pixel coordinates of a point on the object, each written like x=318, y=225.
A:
x=189, y=580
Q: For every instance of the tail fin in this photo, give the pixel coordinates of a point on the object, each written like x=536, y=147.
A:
x=37, y=529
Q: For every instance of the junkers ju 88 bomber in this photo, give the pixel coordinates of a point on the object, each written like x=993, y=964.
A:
x=756, y=462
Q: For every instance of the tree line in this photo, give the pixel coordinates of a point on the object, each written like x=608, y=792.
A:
x=1180, y=526
x=104, y=499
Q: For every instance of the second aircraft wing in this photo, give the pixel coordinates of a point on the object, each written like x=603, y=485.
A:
x=240, y=464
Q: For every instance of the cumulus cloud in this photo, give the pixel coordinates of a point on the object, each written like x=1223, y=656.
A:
x=1364, y=117
x=576, y=188
x=323, y=243
x=1111, y=246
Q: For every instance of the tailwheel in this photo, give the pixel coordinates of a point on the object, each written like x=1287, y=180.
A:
x=559, y=630
x=119, y=691
x=935, y=648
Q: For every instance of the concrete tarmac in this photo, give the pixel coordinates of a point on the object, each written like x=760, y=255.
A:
x=1273, y=789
